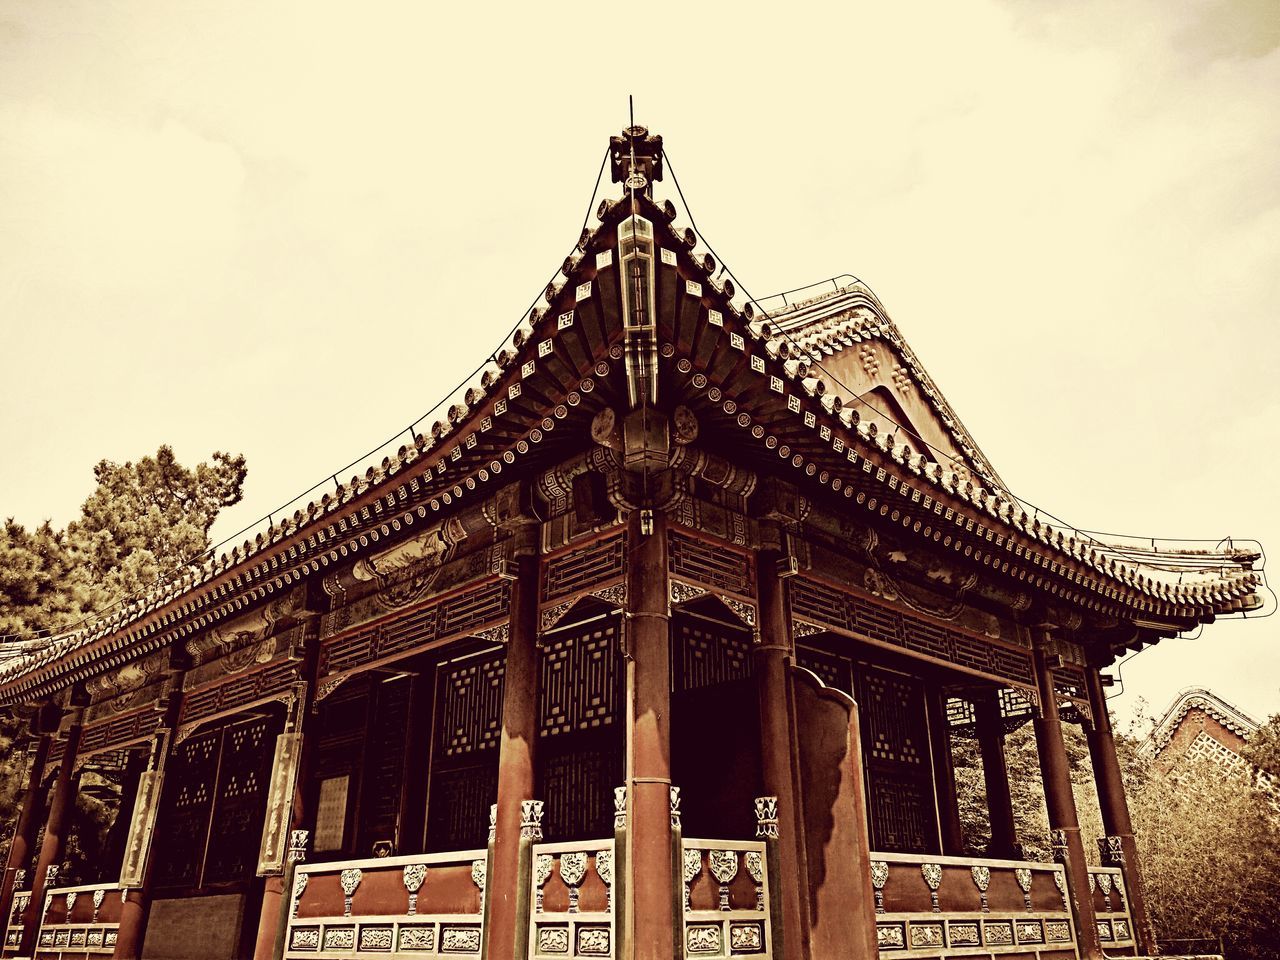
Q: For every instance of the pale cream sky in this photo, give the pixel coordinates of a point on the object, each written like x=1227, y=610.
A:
x=286, y=229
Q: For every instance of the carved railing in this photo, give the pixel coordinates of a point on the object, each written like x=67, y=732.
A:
x=1111, y=904
x=726, y=898
x=79, y=921
x=13, y=922
x=428, y=904
x=572, y=903
x=929, y=906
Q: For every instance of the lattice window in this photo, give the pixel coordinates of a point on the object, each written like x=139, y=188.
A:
x=900, y=814
x=184, y=822
x=895, y=750
x=454, y=616
x=833, y=670
x=475, y=608
x=580, y=680
x=581, y=569
x=581, y=753
x=241, y=802
x=471, y=711
x=109, y=733
x=706, y=655
x=715, y=566
x=821, y=604
x=384, y=773
x=464, y=764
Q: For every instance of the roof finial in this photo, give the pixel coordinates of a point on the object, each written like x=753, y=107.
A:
x=636, y=157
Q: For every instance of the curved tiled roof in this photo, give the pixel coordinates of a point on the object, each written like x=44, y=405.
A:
x=480, y=437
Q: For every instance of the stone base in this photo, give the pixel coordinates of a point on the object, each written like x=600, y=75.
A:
x=195, y=928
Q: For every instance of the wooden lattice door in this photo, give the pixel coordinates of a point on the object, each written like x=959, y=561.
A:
x=215, y=802
x=239, y=807
x=895, y=749
x=582, y=729
x=464, y=756
x=184, y=821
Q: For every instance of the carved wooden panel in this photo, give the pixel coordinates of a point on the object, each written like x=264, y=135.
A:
x=384, y=770
x=714, y=566
x=464, y=760
x=581, y=730
x=237, y=691
x=456, y=615
x=111, y=733
x=895, y=747
x=583, y=568
x=823, y=605
x=706, y=655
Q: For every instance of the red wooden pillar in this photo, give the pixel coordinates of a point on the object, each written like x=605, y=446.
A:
x=274, y=917
x=650, y=879
x=1120, y=849
x=771, y=658
x=951, y=833
x=995, y=773
x=135, y=902
x=55, y=829
x=507, y=924
x=1063, y=821
x=24, y=836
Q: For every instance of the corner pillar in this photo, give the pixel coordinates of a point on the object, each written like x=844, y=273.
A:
x=24, y=836
x=995, y=774
x=650, y=877
x=290, y=807
x=1119, y=847
x=55, y=829
x=507, y=923
x=1064, y=823
x=951, y=833
x=136, y=866
x=771, y=657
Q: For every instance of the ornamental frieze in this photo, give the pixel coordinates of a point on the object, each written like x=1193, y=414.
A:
x=416, y=584
x=247, y=631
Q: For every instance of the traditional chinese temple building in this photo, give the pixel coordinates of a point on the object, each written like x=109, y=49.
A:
x=652, y=648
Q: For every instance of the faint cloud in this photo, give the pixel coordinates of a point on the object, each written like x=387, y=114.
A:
x=1232, y=29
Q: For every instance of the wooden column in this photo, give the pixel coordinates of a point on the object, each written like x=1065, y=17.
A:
x=951, y=833
x=135, y=902
x=1119, y=847
x=649, y=878
x=507, y=924
x=61, y=807
x=995, y=773
x=771, y=657
x=1055, y=771
x=273, y=920
x=24, y=836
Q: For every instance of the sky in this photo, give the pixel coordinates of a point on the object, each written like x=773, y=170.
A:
x=288, y=230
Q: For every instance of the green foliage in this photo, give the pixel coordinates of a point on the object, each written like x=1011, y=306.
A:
x=1208, y=839
x=1209, y=844
x=1263, y=747
x=143, y=522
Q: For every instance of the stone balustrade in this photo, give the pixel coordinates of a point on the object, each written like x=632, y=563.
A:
x=725, y=886
x=931, y=906
x=572, y=910
x=79, y=922
x=428, y=905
